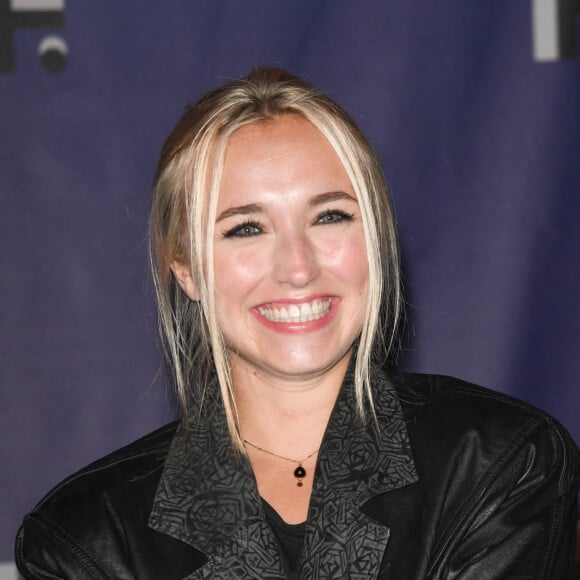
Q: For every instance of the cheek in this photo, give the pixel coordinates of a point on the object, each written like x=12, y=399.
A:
x=349, y=261
x=235, y=272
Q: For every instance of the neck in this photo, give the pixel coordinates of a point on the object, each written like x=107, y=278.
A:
x=286, y=417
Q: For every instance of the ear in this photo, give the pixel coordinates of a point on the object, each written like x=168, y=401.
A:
x=182, y=274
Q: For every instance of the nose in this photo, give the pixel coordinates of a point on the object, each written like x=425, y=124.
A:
x=295, y=260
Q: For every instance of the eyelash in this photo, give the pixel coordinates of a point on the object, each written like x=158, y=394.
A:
x=242, y=230
x=336, y=215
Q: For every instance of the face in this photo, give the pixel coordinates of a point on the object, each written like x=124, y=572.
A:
x=291, y=269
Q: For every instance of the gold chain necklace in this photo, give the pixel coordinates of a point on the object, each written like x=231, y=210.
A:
x=299, y=472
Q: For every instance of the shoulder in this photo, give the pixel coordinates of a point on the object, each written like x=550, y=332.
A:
x=100, y=502
x=461, y=402
x=134, y=466
x=447, y=416
x=498, y=480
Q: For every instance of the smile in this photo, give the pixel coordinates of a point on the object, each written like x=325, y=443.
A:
x=294, y=313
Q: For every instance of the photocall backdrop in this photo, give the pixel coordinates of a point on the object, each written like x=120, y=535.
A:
x=474, y=110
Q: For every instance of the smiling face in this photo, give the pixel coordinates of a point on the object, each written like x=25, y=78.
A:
x=291, y=269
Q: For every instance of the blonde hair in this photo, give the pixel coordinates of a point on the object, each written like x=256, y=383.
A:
x=183, y=215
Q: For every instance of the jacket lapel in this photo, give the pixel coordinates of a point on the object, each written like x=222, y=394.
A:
x=356, y=463
x=207, y=497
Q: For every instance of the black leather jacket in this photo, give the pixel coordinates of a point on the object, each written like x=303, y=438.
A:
x=459, y=482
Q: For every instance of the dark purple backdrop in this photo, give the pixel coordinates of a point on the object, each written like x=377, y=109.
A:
x=479, y=142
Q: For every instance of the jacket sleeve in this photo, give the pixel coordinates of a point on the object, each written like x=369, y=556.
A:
x=520, y=520
x=44, y=551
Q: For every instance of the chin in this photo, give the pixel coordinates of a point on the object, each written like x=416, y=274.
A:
x=304, y=368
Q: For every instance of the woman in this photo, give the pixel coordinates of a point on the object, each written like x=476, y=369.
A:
x=277, y=275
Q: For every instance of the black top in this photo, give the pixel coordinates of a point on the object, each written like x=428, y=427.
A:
x=289, y=536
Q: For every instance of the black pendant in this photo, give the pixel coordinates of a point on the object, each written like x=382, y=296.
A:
x=299, y=473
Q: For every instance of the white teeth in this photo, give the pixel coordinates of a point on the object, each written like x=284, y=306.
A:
x=294, y=312
x=297, y=312
x=306, y=311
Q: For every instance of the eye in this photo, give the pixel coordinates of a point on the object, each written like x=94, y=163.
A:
x=245, y=230
x=334, y=216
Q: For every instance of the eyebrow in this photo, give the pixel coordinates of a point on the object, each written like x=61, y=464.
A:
x=253, y=208
x=330, y=196
x=240, y=210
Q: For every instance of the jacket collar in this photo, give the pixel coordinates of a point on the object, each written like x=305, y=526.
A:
x=365, y=459
x=206, y=489
x=208, y=498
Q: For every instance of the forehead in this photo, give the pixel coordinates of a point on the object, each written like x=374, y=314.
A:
x=277, y=136
x=280, y=126
x=277, y=151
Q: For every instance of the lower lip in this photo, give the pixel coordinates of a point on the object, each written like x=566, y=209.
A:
x=298, y=327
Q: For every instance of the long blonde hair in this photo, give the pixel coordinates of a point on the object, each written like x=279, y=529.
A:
x=182, y=220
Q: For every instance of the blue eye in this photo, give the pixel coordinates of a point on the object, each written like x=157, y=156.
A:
x=245, y=230
x=333, y=217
